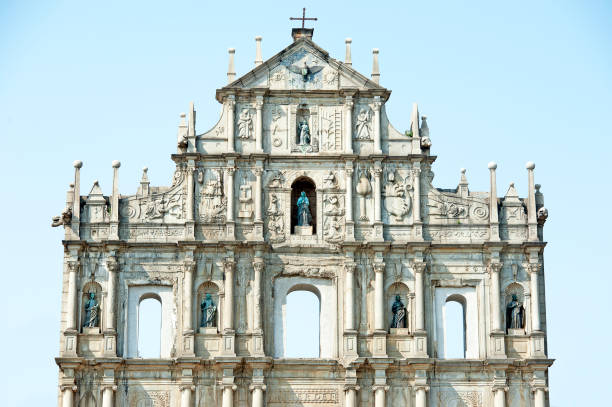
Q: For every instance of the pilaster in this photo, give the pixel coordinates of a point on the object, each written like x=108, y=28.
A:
x=229, y=335
x=189, y=267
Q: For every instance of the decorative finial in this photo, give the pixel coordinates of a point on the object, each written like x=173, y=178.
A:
x=347, y=58
x=303, y=32
x=116, y=164
x=258, y=58
x=492, y=165
x=375, y=67
x=231, y=72
x=77, y=164
x=530, y=165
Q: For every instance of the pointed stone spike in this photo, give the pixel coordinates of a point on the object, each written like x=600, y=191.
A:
x=463, y=184
x=191, y=125
x=231, y=71
x=347, y=58
x=414, y=120
x=114, y=233
x=375, y=67
x=258, y=58
x=143, y=190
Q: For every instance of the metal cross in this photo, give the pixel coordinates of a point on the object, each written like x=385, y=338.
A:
x=303, y=18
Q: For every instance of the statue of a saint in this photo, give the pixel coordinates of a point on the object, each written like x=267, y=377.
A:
x=399, y=313
x=304, y=216
x=245, y=124
x=515, y=314
x=304, y=132
x=209, y=312
x=91, y=312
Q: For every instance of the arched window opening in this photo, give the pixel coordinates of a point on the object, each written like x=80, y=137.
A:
x=454, y=328
x=306, y=185
x=149, y=328
x=302, y=329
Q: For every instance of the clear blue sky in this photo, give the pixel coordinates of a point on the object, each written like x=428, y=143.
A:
x=504, y=81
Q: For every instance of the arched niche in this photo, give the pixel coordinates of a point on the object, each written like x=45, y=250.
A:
x=164, y=294
x=208, y=288
x=517, y=290
x=394, y=290
x=96, y=289
x=309, y=187
x=325, y=290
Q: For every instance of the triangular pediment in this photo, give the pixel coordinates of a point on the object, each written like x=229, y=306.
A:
x=303, y=65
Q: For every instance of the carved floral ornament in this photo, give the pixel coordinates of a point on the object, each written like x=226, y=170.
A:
x=495, y=267
x=258, y=265
x=189, y=265
x=379, y=267
x=350, y=267
x=534, y=267
x=229, y=265
x=419, y=266
x=73, y=265
x=112, y=264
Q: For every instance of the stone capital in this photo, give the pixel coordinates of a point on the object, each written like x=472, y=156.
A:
x=536, y=387
x=494, y=267
x=352, y=387
x=419, y=266
x=73, y=265
x=189, y=265
x=499, y=387
x=72, y=387
x=379, y=267
x=112, y=264
x=421, y=387
x=258, y=171
x=230, y=170
x=259, y=265
x=228, y=386
x=113, y=387
x=260, y=386
x=229, y=265
x=533, y=267
x=350, y=267
x=190, y=387
x=377, y=387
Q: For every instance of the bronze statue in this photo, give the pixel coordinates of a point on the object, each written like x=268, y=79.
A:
x=399, y=313
x=91, y=312
x=304, y=217
x=515, y=312
x=209, y=312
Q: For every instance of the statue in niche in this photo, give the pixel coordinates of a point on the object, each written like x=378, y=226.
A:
x=304, y=217
x=213, y=203
x=304, y=133
x=399, y=313
x=515, y=314
x=245, y=124
x=209, y=312
x=91, y=312
x=363, y=125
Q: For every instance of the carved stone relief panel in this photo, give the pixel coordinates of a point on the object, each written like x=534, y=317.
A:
x=330, y=136
x=245, y=196
x=150, y=399
x=397, y=196
x=211, y=201
x=165, y=206
x=448, y=208
x=333, y=221
x=275, y=217
x=453, y=398
x=275, y=127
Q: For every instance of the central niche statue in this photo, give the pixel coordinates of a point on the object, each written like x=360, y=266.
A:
x=91, y=312
x=304, y=132
x=304, y=217
x=209, y=312
x=399, y=313
x=515, y=314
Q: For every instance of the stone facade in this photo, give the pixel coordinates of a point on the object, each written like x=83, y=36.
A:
x=226, y=228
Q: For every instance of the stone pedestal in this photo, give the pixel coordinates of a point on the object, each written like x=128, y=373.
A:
x=70, y=343
x=95, y=330
x=229, y=341
x=420, y=344
x=189, y=343
x=110, y=343
x=536, y=344
x=211, y=330
x=303, y=230
x=350, y=344
x=379, y=344
x=498, y=345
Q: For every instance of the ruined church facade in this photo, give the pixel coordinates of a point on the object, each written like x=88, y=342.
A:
x=382, y=248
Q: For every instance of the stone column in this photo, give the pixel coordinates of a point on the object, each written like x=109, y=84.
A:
x=379, y=395
x=499, y=396
x=348, y=203
x=76, y=202
x=258, y=172
x=539, y=397
x=259, y=124
x=68, y=395
x=110, y=333
x=349, y=295
x=186, y=391
x=348, y=125
x=228, y=395
x=258, y=267
x=416, y=201
x=228, y=312
x=534, y=268
x=257, y=394
x=190, y=230
x=376, y=124
x=419, y=295
x=230, y=201
x=114, y=219
x=494, y=269
x=531, y=206
x=189, y=267
x=350, y=395
x=379, y=270
x=493, y=218
x=377, y=206
x=231, y=105
x=73, y=268
x=108, y=395
x=421, y=396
